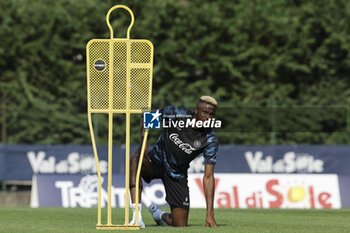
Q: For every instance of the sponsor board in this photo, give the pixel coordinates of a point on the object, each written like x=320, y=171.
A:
x=269, y=191
x=283, y=159
x=232, y=191
x=82, y=191
x=75, y=163
x=20, y=162
x=289, y=163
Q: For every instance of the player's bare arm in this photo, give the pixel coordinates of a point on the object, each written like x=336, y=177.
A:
x=209, y=188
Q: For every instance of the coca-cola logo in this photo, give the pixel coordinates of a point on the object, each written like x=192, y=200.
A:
x=187, y=148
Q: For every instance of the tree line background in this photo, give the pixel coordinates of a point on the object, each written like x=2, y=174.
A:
x=278, y=69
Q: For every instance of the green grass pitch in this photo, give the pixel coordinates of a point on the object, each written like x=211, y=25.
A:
x=75, y=220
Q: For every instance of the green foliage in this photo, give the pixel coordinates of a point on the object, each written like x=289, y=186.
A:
x=255, y=57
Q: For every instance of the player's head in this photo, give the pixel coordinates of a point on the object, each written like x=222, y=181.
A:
x=206, y=108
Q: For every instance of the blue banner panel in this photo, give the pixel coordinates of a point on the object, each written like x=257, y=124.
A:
x=284, y=159
x=20, y=162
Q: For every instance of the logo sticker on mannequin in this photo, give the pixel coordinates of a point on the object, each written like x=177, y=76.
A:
x=100, y=65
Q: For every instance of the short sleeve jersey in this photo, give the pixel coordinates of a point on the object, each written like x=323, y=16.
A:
x=176, y=147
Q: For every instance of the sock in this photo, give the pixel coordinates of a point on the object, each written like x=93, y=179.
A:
x=164, y=215
x=133, y=206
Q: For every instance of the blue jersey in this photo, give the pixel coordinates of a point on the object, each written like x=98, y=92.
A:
x=176, y=147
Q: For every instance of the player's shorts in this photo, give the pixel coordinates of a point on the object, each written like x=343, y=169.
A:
x=177, y=191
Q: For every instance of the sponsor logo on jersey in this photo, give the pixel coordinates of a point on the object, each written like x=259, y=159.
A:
x=186, y=202
x=187, y=148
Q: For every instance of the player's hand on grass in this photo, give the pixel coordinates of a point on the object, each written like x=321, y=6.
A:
x=210, y=221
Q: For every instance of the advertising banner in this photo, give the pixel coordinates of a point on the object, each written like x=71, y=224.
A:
x=310, y=159
x=20, y=162
x=232, y=191
x=82, y=191
x=269, y=191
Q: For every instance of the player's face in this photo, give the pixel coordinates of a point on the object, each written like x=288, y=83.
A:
x=204, y=111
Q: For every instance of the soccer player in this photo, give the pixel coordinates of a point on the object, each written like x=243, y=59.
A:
x=169, y=160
